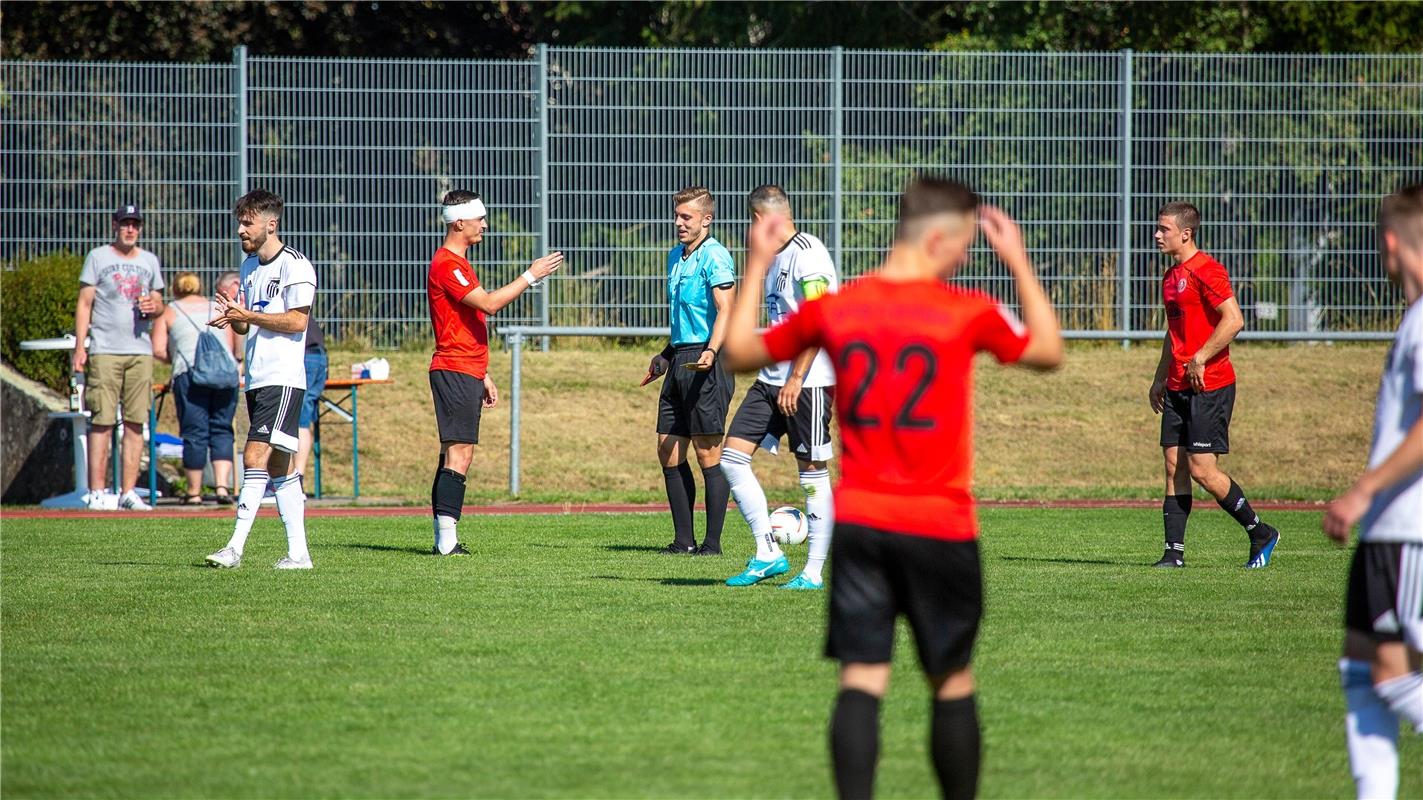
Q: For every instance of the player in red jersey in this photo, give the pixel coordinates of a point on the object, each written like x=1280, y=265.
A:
x=459, y=376
x=1194, y=387
x=903, y=343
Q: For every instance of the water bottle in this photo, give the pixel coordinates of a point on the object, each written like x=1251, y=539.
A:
x=76, y=391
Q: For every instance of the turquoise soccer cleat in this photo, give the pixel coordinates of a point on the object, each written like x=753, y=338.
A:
x=757, y=571
x=804, y=583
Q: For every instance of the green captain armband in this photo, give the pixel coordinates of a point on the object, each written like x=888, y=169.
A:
x=814, y=287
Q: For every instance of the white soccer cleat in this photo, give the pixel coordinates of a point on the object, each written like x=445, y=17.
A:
x=132, y=502
x=291, y=563
x=226, y=558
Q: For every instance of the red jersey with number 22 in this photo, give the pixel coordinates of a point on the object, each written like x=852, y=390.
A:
x=1191, y=291
x=461, y=334
x=903, y=356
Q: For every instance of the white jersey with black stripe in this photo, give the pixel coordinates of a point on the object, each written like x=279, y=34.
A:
x=804, y=258
x=287, y=281
x=1396, y=514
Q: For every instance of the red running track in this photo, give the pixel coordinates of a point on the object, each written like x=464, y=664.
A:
x=312, y=510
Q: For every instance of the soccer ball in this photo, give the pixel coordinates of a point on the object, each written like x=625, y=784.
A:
x=788, y=525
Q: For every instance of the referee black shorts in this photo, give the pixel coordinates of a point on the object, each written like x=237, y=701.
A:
x=876, y=575
x=694, y=403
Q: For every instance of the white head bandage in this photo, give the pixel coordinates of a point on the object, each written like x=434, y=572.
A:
x=472, y=209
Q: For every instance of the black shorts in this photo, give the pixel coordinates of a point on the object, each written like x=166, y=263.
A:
x=1198, y=421
x=694, y=403
x=759, y=420
x=876, y=576
x=272, y=414
x=459, y=400
x=1385, y=596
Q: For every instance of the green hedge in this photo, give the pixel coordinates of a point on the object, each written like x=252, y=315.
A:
x=37, y=302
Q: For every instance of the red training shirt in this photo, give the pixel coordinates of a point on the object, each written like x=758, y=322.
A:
x=903, y=355
x=1191, y=291
x=461, y=334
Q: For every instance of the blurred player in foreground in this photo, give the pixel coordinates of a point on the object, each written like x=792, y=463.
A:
x=1383, y=616
x=459, y=369
x=903, y=342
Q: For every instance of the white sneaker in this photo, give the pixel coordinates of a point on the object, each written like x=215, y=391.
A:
x=132, y=502
x=102, y=500
x=226, y=558
x=290, y=563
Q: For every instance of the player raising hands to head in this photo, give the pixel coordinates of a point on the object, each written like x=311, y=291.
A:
x=903, y=342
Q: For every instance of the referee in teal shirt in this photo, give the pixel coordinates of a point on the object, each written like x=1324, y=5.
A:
x=701, y=286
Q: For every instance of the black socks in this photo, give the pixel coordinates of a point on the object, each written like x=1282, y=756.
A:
x=1238, y=507
x=680, y=491
x=854, y=744
x=718, y=493
x=956, y=747
x=1176, y=509
x=447, y=493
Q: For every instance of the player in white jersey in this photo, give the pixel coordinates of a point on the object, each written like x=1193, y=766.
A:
x=1383, y=616
x=278, y=286
x=792, y=398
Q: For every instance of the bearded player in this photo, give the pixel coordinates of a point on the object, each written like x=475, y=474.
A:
x=903, y=342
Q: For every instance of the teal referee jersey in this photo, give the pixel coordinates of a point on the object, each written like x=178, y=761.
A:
x=689, y=289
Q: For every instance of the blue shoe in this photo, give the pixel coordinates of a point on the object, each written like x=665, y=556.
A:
x=1263, y=548
x=757, y=571
x=804, y=583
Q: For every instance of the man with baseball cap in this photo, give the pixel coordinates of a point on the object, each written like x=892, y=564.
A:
x=120, y=293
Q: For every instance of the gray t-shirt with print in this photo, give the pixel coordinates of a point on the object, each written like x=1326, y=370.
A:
x=115, y=327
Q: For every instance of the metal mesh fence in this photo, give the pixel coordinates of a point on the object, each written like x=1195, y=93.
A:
x=581, y=150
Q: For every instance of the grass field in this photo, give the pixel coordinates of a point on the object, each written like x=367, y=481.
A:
x=1301, y=427
x=564, y=659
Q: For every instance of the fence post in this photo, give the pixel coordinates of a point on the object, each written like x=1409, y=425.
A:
x=516, y=380
x=239, y=63
x=837, y=78
x=541, y=54
x=1124, y=258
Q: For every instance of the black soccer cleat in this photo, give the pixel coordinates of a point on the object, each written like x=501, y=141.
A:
x=675, y=549
x=458, y=550
x=1171, y=559
x=706, y=550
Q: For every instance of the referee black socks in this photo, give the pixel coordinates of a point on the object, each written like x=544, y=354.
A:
x=1238, y=507
x=681, y=488
x=854, y=743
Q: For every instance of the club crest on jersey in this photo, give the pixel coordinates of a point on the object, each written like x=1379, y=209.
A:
x=1181, y=285
x=273, y=286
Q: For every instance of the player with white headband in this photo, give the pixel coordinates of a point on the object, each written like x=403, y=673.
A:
x=459, y=370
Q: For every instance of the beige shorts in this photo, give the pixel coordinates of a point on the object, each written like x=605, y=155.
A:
x=109, y=379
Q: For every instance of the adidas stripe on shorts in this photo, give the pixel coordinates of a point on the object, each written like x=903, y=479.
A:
x=1385, y=598
x=273, y=413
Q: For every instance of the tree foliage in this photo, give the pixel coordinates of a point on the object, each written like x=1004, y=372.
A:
x=129, y=30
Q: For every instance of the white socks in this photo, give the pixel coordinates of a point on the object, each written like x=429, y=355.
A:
x=820, y=511
x=249, y=498
x=291, y=504
x=751, y=499
x=1404, y=696
x=446, y=537
x=1371, y=730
